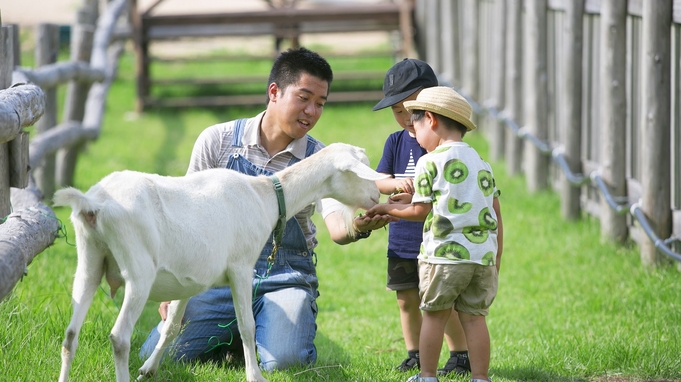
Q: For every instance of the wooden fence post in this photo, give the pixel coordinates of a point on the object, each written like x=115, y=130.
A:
x=432, y=29
x=449, y=41
x=514, y=85
x=82, y=35
x=6, y=66
x=497, y=131
x=613, y=114
x=470, y=76
x=570, y=127
x=656, y=123
x=536, y=87
x=46, y=52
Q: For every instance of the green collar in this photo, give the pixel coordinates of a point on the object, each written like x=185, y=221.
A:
x=281, y=223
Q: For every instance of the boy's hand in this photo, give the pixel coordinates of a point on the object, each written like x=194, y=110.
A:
x=405, y=185
x=402, y=198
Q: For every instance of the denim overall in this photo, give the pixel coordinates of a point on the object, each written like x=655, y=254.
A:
x=284, y=303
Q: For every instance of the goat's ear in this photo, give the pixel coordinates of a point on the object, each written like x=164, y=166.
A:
x=366, y=172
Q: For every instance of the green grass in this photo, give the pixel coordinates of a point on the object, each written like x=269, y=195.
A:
x=569, y=308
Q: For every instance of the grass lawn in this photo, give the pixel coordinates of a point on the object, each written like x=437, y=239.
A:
x=569, y=308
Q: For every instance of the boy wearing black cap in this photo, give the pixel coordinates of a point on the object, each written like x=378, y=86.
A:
x=403, y=82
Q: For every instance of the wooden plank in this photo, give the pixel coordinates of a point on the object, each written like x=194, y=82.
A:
x=255, y=99
x=389, y=13
x=261, y=79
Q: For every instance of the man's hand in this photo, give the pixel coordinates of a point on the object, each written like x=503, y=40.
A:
x=365, y=222
x=163, y=310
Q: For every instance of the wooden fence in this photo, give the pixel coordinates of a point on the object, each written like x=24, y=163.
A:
x=29, y=171
x=591, y=86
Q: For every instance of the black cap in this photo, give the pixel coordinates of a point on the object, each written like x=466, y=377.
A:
x=404, y=79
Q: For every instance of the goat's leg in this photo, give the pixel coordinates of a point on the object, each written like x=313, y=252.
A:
x=171, y=327
x=89, y=272
x=242, y=290
x=136, y=294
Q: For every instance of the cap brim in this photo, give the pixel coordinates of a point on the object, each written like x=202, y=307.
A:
x=393, y=99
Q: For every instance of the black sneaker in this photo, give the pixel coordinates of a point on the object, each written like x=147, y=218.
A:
x=458, y=365
x=409, y=364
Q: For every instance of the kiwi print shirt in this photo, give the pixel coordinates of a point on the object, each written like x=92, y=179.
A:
x=462, y=225
x=400, y=154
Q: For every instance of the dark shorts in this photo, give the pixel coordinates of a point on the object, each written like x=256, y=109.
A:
x=403, y=274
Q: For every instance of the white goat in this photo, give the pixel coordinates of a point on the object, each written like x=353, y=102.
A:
x=169, y=238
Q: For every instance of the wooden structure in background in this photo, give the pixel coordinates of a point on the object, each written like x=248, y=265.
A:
x=288, y=22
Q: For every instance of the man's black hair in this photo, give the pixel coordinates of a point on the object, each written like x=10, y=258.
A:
x=289, y=66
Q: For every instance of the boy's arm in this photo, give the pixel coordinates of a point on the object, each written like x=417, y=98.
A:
x=389, y=185
x=500, y=232
x=413, y=212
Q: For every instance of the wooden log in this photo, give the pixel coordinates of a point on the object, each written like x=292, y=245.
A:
x=656, y=124
x=46, y=52
x=613, y=101
x=62, y=135
x=50, y=76
x=25, y=233
x=536, y=105
x=570, y=126
x=20, y=106
x=514, y=85
x=76, y=93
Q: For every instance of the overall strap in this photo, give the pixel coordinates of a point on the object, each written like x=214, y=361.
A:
x=239, y=127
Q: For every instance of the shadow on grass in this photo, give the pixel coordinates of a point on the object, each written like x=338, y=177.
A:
x=532, y=374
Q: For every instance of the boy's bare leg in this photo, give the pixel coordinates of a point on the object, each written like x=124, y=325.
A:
x=454, y=335
x=410, y=317
x=432, y=330
x=478, y=340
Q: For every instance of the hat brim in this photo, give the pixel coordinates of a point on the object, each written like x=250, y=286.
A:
x=421, y=105
x=395, y=98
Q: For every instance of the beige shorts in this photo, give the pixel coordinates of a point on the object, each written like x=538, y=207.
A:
x=469, y=288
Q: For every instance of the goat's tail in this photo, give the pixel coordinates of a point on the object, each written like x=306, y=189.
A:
x=76, y=199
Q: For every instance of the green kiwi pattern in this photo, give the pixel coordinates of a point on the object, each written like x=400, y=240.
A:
x=486, y=182
x=424, y=184
x=489, y=259
x=477, y=235
x=455, y=171
x=441, y=226
x=428, y=222
x=486, y=220
x=431, y=168
x=453, y=251
x=456, y=207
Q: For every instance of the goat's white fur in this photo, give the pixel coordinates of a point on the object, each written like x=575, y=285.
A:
x=169, y=238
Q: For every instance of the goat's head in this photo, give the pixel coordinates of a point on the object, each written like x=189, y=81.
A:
x=355, y=184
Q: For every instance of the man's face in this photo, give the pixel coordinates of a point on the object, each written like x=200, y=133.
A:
x=402, y=116
x=299, y=106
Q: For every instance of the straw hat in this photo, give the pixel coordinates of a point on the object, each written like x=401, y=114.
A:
x=445, y=101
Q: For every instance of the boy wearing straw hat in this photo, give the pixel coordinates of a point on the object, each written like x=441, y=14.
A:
x=455, y=194
x=403, y=82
